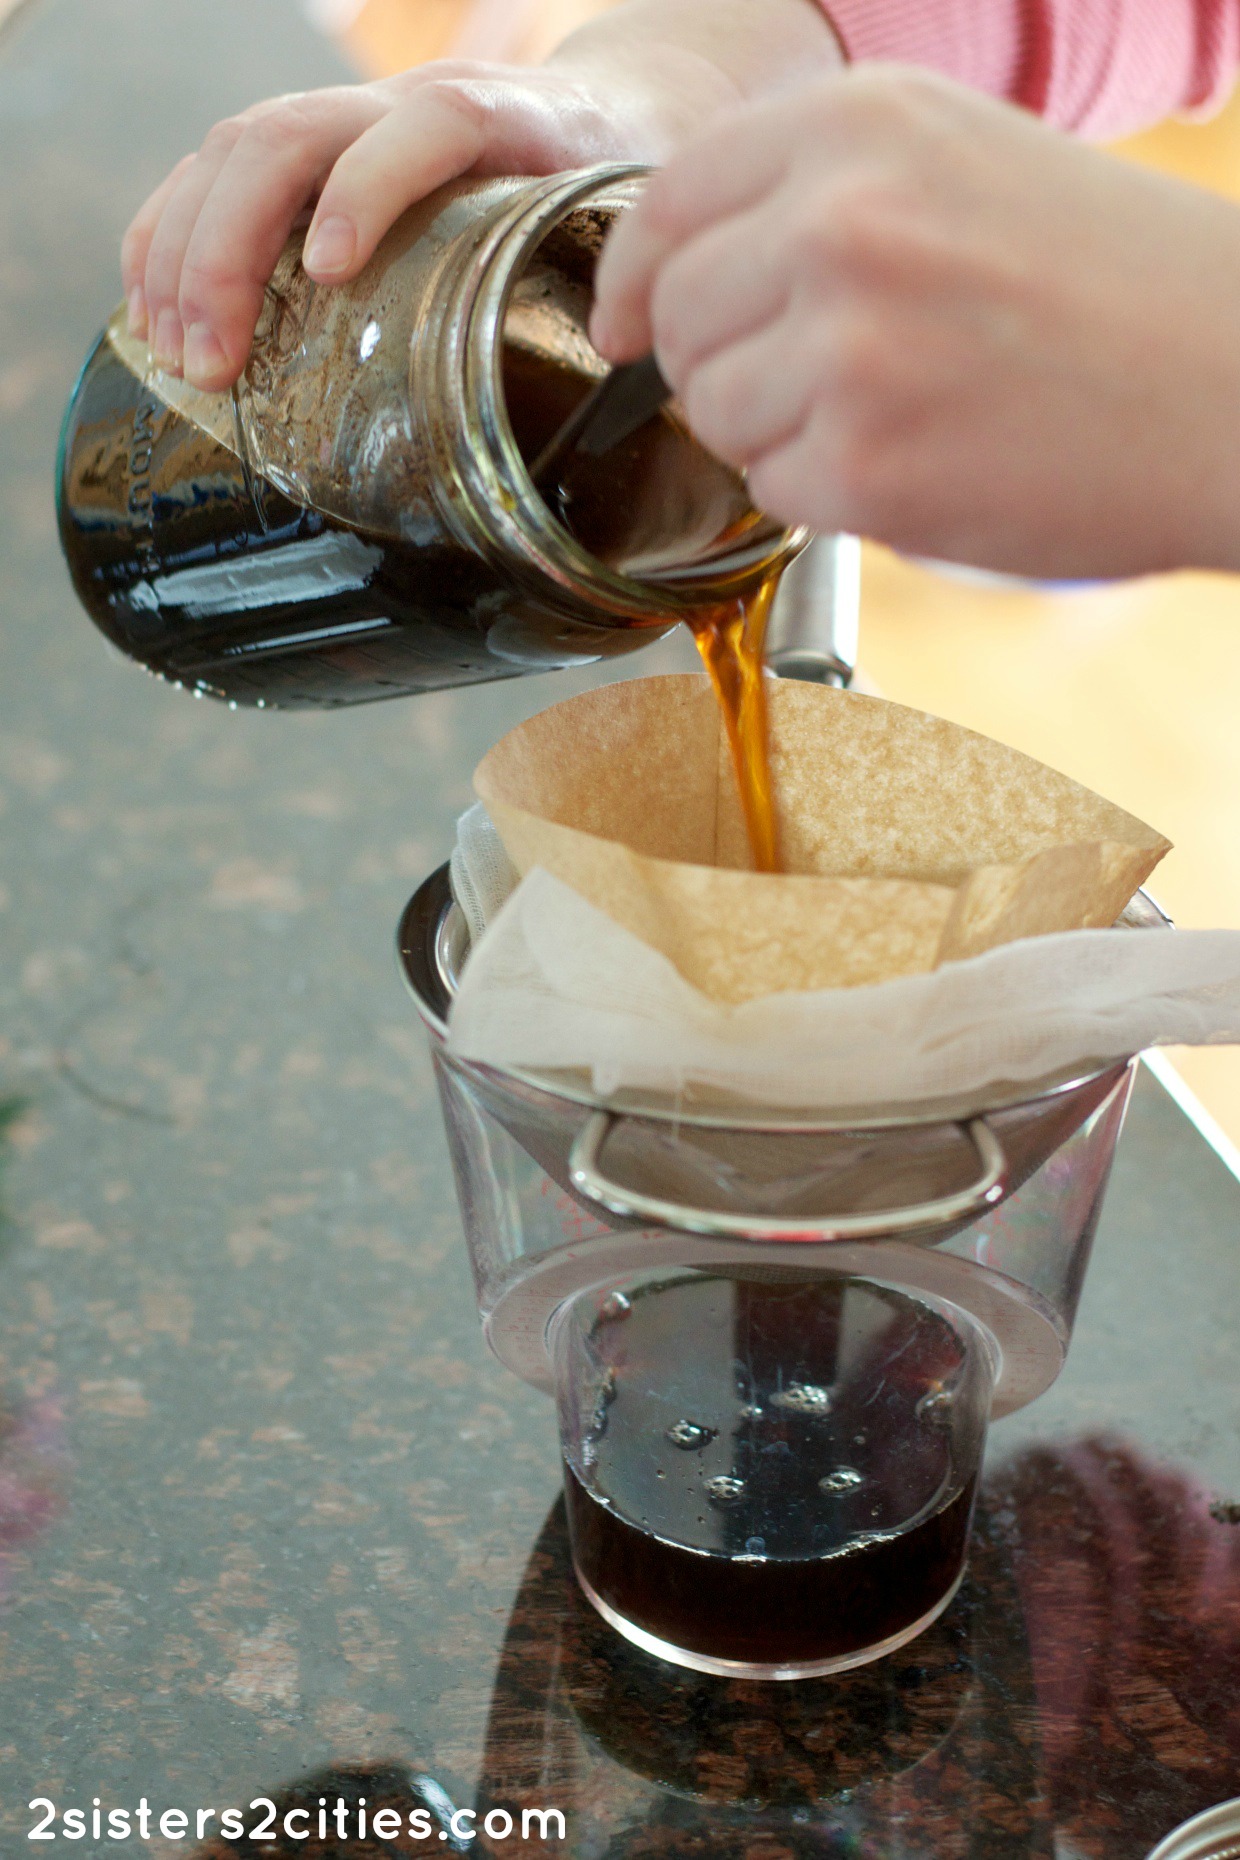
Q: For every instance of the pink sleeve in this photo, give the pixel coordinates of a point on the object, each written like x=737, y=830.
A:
x=1099, y=67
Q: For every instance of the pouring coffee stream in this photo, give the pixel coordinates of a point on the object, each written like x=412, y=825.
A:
x=731, y=641
x=730, y=637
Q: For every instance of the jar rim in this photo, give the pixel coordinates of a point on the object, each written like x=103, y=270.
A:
x=497, y=482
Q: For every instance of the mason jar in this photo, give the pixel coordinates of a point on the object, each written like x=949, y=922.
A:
x=357, y=519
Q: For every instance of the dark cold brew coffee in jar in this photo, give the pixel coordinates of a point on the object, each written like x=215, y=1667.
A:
x=357, y=520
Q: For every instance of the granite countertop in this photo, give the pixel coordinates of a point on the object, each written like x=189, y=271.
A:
x=271, y=1522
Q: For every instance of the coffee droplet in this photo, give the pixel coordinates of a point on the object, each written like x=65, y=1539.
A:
x=725, y=1490
x=803, y=1398
x=690, y=1436
x=755, y=1546
x=843, y=1479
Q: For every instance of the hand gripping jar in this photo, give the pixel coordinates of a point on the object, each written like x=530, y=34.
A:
x=357, y=519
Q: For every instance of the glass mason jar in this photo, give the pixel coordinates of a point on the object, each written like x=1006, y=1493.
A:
x=357, y=519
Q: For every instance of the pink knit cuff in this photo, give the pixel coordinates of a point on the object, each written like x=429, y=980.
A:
x=1101, y=68
x=979, y=44
x=1114, y=66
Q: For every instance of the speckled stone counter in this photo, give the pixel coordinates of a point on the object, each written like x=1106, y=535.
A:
x=271, y=1523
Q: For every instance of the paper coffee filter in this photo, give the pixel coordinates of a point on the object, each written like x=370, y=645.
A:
x=907, y=841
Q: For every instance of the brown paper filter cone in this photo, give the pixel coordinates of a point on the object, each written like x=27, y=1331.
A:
x=907, y=841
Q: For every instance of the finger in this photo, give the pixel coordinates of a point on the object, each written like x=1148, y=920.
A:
x=241, y=225
x=450, y=71
x=434, y=136
x=729, y=282
x=137, y=243
x=166, y=254
x=728, y=172
x=480, y=122
x=755, y=393
x=799, y=480
x=536, y=122
x=547, y=126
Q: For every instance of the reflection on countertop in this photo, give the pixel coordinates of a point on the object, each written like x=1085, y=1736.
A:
x=1081, y=1696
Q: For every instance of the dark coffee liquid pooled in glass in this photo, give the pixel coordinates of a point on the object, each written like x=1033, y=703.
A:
x=199, y=566
x=769, y=1477
x=202, y=569
x=214, y=579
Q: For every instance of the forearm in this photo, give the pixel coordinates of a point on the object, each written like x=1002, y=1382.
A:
x=713, y=53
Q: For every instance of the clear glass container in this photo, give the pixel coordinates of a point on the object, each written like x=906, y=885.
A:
x=770, y=1477
x=776, y=1344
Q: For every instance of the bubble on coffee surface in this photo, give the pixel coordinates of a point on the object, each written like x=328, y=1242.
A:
x=615, y=1306
x=723, y=1489
x=808, y=1398
x=843, y=1479
x=690, y=1436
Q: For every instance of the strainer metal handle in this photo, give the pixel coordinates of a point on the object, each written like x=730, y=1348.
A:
x=923, y=1217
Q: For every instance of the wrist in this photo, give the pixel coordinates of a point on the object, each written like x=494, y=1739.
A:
x=661, y=95
x=727, y=51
